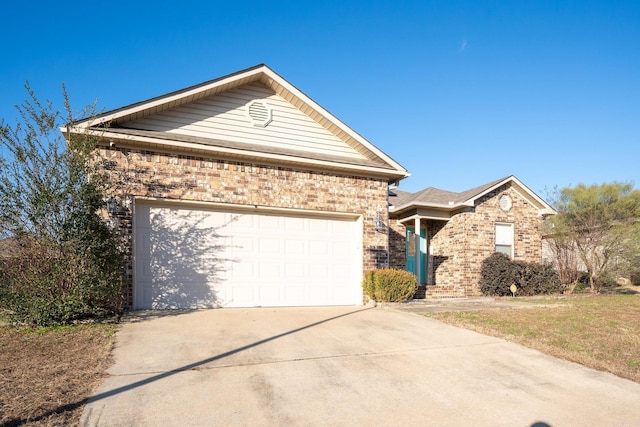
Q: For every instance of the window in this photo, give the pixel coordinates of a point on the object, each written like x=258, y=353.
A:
x=411, y=243
x=504, y=238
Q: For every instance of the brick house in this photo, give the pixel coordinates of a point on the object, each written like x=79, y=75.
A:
x=242, y=192
x=457, y=231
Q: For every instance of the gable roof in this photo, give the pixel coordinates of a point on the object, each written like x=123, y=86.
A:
x=170, y=122
x=436, y=198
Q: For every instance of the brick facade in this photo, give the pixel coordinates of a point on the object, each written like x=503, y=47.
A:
x=178, y=177
x=461, y=244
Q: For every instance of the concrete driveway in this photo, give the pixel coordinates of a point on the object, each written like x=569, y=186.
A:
x=331, y=366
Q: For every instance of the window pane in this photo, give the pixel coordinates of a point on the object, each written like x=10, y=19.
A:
x=505, y=249
x=411, y=244
x=504, y=234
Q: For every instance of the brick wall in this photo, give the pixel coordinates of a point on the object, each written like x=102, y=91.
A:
x=460, y=245
x=397, y=245
x=176, y=177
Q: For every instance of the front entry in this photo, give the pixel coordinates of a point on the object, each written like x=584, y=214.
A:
x=410, y=242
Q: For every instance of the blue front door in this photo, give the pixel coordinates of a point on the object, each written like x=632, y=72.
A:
x=410, y=242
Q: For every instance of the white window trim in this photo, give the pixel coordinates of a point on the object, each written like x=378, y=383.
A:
x=508, y=241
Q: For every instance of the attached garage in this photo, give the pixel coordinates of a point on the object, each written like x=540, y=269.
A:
x=196, y=256
x=242, y=192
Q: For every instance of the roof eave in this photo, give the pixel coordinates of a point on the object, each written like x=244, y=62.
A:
x=133, y=142
x=438, y=206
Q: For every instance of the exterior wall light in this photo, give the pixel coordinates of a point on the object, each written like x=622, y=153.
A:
x=112, y=206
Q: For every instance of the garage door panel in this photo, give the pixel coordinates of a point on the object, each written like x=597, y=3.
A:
x=269, y=222
x=270, y=246
x=242, y=245
x=341, y=249
x=194, y=257
x=297, y=295
x=294, y=225
x=270, y=270
x=294, y=271
x=318, y=248
x=294, y=247
x=319, y=271
x=320, y=294
x=320, y=226
x=243, y=223
x=340, y=270
x=341, y=293
x=340, y=227
x=269, y=295
x=240, y=296
x=243, y=271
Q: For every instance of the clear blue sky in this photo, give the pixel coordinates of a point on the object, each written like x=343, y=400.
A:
x=459, y=92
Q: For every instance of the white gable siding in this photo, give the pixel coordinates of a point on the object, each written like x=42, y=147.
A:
x=224, y=117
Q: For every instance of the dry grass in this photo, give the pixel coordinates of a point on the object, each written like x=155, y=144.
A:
x=46, y=375
x=601, y=332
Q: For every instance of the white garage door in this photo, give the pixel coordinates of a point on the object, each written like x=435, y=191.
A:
x=190, y=257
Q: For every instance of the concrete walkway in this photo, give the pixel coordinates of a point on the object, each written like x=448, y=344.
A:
x=332, y=366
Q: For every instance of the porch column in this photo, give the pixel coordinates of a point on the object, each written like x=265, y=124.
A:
x=418, y=251
x=429, y=258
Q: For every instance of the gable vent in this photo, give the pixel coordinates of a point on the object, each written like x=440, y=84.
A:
x=505, y=202
x=259, y=113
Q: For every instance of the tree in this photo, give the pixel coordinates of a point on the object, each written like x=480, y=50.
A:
x=602, y=224
x=565, y=260
x=66, y=263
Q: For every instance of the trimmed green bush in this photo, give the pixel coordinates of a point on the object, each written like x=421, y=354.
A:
x=389, y=285
x=368, y=284
x=499, y=272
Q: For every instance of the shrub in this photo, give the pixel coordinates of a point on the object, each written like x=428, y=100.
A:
x=65, y=262
x=499, y=272
x=368, y=284
x=497, y=275
x=536, y=279
x=50, y=284
x=635, y=277
x=389, y=285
